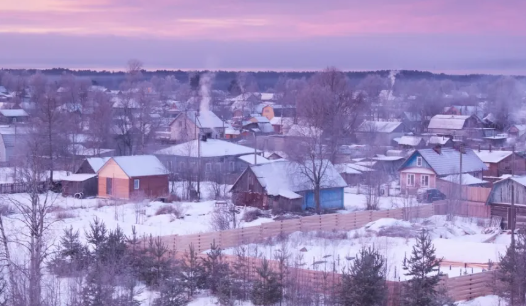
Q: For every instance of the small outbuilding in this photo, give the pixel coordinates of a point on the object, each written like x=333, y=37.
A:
x=127, y=177
x=80, y=185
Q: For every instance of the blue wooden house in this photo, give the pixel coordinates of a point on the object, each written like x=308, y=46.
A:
x=285, y=186
x=425, y=166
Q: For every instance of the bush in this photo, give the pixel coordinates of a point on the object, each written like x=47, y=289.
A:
x=251, y=215
x=6, y=210
x=171, y=209
x=61, y=215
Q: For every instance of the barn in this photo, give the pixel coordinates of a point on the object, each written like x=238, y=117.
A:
x=127, y=177
x=500, y=201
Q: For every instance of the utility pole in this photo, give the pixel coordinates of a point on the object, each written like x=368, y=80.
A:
x=255, y=149
x=198, y=135
x=461, y=149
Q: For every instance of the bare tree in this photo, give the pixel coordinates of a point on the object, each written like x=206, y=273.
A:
x=100, y=120
x=133, y=70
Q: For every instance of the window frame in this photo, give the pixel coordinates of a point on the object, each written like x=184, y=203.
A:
x=422, y=180
x=419, y=161
x=410, y=182
x=136, y=184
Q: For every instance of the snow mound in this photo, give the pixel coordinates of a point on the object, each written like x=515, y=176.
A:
x=488, y=300
x=385, y=223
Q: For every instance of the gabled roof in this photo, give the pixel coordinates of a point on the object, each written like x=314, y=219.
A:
x=467, y=179
x=492, y=156
x=140, y=165
x=97, y=162
x=438, y=140
x=249, y=159
x=448, y=161
x=205, y=119
x=284, y=177
x=412, y=141
x=13, y=113
x=209, y=148
x=521, y=128
x=449, y=122
x=379, y=126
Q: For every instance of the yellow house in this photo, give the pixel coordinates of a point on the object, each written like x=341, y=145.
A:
x=266, y=110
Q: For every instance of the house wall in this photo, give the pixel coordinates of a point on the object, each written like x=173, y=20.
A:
x=120, y=181
x=182, y=129
x=329, y=199
x=501, y=193
x=268, y=112
x=248, y=192
x=417, y=172
x=149, y=186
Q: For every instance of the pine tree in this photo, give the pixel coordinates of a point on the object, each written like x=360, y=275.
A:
x=214, y=269
x=190, y=271
x=172, y=293
x=364, y=284
x=422, y=267
x=267, y=289
x=241, y=274
x=512, y=271
x=72, y=256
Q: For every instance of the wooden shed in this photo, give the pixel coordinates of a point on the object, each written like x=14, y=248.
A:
x=500, y=199
x=127, y=177
x=80, y=185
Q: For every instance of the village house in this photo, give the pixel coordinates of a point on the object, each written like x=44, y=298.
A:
x=12, y=139
x=459, y=127
x=503, y=193
x=440, y=141
x=379, y=132
x=271, y=110
x=517, y=131
x=283, y=186
x=189, y=125
x=354, y=174
x=258, y=124
x=218, y=160
x=128, y=177
x=10, y=116
x=464, y=110
x=501, y=162
x=425, y=166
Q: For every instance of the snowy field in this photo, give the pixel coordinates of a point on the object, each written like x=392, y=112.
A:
x=489, y=300
x=457, y=242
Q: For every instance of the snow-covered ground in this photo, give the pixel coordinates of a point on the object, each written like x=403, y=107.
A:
x=457, y=242
x=354, y=201
x=489, y=300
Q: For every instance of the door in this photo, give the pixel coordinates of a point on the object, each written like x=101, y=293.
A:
x=109, y=186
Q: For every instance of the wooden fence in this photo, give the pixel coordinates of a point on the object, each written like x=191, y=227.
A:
x=475, y=194
x=462, y=208
x=256, y=234
x=10, y=188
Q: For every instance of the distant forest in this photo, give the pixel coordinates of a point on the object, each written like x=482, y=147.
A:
x=266, y=80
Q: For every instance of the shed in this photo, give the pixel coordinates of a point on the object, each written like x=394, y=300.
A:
x=283, y=186
x=500, y=199
x=126, y=177
x=13, y=115
x=82, y=183
x=92, y=164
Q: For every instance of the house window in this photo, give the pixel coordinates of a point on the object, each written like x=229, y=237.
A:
x=208, y=167
x=250, y=182
x=419, y=161
x=410, y=180
x=425, y=180
x=232, y=166
x=136, y=184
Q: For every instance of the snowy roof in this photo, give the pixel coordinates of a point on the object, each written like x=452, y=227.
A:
x=2, y=89
x=352, y=168
x=381, y=157
x=412, y=141
x=282, y=121
x=492, y=156
x=284, y=177
x=205, y=119
x=140, y=165
x=448, y=161
x=249, y=158
x=437, y=140
x=258, y=118
x=520, y=179
x=450, y=122
x=521, y=128
x=265, y=96
x=97, y=162
x=413, y=116
x=379, y=126
x=13, y=113
x=80, y=177
x=231, y=131
x=394, y=153
x=209, y=148
x=467, y=179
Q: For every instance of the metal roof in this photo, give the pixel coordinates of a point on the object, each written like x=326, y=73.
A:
x=449, y=122
x=448, y=161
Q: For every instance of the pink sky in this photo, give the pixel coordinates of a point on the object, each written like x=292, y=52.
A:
x=443, y=35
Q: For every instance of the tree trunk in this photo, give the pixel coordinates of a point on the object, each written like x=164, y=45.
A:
x=317, y=200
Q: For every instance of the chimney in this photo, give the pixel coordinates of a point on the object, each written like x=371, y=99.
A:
x=479, y=148
x=490, y=147
x=438, y=149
